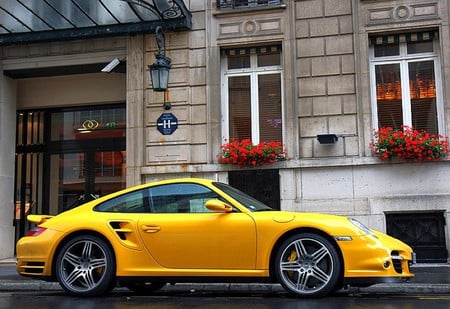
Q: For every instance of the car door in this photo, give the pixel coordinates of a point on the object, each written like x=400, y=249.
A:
x=182, y=233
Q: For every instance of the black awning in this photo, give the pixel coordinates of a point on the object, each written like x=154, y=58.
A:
x=26, y=21
x=403, y=37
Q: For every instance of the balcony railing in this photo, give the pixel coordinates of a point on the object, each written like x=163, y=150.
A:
x=241, y=4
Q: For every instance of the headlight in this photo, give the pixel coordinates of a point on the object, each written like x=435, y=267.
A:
x=362, y=227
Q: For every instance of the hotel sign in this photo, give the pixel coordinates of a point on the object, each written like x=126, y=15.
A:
x=167, y=123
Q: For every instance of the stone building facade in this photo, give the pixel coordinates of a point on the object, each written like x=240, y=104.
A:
x=328, y=86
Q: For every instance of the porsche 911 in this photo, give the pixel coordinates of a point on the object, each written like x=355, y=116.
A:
x=198, y=230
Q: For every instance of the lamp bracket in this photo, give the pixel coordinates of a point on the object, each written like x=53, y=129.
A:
x=160, y=40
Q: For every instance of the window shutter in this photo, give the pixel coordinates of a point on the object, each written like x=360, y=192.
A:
x=239, y=107
x=423, y=95
x=270, y=120
x=390, y=114
x=424, y=115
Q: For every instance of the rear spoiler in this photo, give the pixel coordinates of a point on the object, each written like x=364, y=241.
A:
x=38, y=219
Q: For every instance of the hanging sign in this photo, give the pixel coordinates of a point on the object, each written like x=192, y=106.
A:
x=167, y=123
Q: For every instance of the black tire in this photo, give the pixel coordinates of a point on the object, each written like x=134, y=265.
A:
x=308, y=265
x=85, y=266
x=144, y=288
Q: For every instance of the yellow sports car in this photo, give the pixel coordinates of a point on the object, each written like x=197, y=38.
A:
x=191, y=230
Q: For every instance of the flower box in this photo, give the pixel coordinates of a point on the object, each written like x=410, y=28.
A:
x=409, y=144
x=245, y=153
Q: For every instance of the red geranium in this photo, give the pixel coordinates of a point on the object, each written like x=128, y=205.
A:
x=409, y=143
x=245, y=153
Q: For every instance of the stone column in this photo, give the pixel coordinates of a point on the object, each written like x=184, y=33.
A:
x=135, y=109
x=7, y=157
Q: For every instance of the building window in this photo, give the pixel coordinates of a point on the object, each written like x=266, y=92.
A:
x=252, y=94
x=236, y=4
x=406, y=81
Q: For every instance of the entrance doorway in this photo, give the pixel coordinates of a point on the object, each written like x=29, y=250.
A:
x=67, y=157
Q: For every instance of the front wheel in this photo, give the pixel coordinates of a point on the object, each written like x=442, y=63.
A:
x=85, y=266
x=308, y=265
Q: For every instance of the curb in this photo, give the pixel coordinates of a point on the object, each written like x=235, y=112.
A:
x=404, y=288
x=26, y=285
x=407, y=288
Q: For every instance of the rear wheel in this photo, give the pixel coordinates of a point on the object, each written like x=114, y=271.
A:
x=85, y=266
x=308, y=265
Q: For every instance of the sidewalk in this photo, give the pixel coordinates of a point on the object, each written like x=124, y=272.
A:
x=430, y=279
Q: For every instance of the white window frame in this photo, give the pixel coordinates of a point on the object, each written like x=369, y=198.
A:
x=403, y=59
x=254, y=72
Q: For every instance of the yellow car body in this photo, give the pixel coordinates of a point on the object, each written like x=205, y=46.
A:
x=224, y=236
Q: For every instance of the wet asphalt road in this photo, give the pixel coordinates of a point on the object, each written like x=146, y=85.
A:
x=218, y=300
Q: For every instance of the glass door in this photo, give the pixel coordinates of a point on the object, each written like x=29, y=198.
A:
x=109, y=172
x=67, y=181
x=87, y=155
x=76, y=178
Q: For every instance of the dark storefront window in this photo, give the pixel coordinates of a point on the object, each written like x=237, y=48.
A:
x=87, y=124
x=67, y=157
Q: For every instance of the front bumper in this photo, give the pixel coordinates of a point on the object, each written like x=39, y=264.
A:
x=382, y=259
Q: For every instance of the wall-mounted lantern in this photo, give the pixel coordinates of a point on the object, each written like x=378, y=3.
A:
x=327, y=138
x=159, y=70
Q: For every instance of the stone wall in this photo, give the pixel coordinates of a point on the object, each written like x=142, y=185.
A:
x=186, y=94
x=326, y=77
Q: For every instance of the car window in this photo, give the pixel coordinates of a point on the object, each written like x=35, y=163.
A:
x=180, y=198
x=132, y=202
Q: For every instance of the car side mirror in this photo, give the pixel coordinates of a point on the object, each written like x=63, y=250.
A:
x=218, y=206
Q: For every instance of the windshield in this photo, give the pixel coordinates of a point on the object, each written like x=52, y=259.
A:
x=249, y=202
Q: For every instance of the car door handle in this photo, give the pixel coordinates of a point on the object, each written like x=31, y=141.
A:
x=150, y=228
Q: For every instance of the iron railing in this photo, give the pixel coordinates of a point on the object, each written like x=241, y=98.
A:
x=238, y=4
